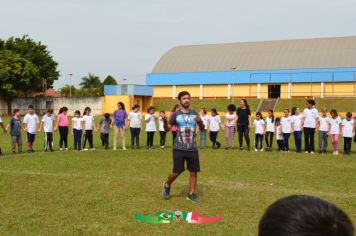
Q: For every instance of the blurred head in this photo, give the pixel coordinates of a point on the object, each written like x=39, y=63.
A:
x=259, y=115
x=333, y=113
x=270, y=113
x=49, y=111
x=150, y=110
x=162, y=113
x=30, y=109
x=324, y=111
x=348, y=115
x=184, y=99
x=16, y=112
x=136, y=108
x=243, y=103
x=107, y=115
x=303, y=215
x=175, y=108
x=77, y=113
x=87, y=111
x=310, y=103
x=295, y=111
x=231, y=108
x=203, y=111
x=278, y=121
x=120, y=106
x=286, y=112
x=214, y=112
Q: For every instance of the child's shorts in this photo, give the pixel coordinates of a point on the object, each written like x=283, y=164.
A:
x=30, y=137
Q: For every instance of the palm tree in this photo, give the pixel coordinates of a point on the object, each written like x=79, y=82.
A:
x=90, y=82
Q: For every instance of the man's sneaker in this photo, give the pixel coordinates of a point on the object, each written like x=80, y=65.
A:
x=61, y=149
x=193, y=197
x=256, y=150
x=165, y=192
x=66, y=149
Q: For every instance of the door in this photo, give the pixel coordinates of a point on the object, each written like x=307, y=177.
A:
x=274, y=91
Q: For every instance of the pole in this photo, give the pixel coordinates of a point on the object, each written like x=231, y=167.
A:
x=70, y=85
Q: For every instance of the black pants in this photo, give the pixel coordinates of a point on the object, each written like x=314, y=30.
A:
x=258, y=140
x=162, y=140
x=213, y=135
x=135, y=136
x=49, y=141
x=63, y=136
x=105, y=140
x=174, y=135
x=347, y=145
x=280, y=144
x=269, y=139
x=88, y=136
x=309, y=139
x=150, y=136
x=77, y=139
x=243, y=131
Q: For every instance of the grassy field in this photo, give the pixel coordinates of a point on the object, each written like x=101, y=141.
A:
x=99, y=192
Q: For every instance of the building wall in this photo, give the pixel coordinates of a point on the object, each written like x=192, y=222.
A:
x=339, y=89
x=215, y=91
x=194, y=90
x=110, y=103
x=162, y=91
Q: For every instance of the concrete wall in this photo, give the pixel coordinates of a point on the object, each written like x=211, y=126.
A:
x=41, y=104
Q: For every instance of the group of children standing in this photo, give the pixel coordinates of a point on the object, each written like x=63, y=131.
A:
x=82, y=128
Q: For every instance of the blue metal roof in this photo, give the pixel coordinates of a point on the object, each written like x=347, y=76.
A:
x=133, y=90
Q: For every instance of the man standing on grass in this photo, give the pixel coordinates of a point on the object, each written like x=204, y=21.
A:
x=184, y=148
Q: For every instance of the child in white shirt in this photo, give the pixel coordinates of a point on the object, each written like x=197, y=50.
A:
x=214, y=127
x=89, y=127
x=279, y=134
x=348, y=130
x=323, y=127
x=270, y=129
x=334, y=130
x=287, y=129
x=135, y=122
x=205, y=118
x=150, y=119
x=230, y=126
x=77, y=130
x=162, y=131
x=31, y=124
x=297, y=120
x=259, y=125
x=48, y=126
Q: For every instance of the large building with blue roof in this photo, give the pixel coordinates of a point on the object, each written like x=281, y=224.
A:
x=323, y=67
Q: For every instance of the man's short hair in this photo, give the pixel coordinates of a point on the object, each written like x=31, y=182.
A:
x=304, y=215
x=311, y=102
x=30, y=106
x=183, y=93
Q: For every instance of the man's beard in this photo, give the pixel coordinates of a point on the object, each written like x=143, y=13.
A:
x=186, y=105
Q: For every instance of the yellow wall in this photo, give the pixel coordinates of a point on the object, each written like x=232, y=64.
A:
x=162, y=91
x=284, y=90
x=339, y=89
x=215, y=91
x=243, y=90
x=194, y=90
x=306, y=89
x=110, y=103
x=264, y=90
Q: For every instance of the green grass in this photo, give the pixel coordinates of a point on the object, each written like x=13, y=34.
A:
x=219, y=104
x=98, y=192
x=340, y=104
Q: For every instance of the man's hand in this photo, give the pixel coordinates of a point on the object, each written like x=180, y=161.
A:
x=197, y=118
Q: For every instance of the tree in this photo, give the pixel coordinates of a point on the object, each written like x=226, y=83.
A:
x=109, y=80
x=90, y=82
x=16, y=76
x=66, y=90
x=39, y=55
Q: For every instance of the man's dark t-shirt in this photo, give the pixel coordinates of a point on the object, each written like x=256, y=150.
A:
x=243, y=115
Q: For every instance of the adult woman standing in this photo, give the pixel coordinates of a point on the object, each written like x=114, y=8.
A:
x=311, y=116
x=120, y=124
x=243, y=122
x=62, y=126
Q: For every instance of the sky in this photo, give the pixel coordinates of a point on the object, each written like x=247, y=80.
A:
x=125, y=39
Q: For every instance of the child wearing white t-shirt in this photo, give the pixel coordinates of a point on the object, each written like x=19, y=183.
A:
x=31, y=124
x=89, y=127
x=205, y=118
x=270, y=129
x=214, y=127
x=310, y=116
x=48, y=126
x=259, y=125
x=348, y=130
x=323, y=127
x=77, y=130
x=287, y=129
x=230, y=126
x=162, y=131
x=279, y=134
x=135, y=122
x=297, y=120
x=150, y=119
x=334, y=130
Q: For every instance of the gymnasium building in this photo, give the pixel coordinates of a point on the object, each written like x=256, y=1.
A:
x=324, y=67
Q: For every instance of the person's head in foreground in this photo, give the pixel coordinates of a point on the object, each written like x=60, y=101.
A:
x=310, y=103
x=302, y=215
x=184, y=99
x=348, y=116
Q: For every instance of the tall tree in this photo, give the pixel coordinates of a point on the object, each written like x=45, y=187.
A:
x=109, y=80
x=90, y=82
x=39, y=55
x=16, y=76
